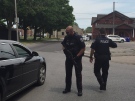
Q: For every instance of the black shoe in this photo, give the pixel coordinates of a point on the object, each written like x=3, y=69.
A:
x=66, y=91
x=103, y=87
x=79, y=93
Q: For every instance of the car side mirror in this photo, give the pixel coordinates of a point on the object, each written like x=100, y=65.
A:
x=35, y=53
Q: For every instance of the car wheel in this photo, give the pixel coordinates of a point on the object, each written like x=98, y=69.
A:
x=41, y=75
x=122, y=41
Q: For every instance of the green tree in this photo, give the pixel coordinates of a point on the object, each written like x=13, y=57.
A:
x=7, y=12
x=59, y=15
x=39, y=14
x=45, y=15
x=26, y=12
x=88, y=30
x=76, y=24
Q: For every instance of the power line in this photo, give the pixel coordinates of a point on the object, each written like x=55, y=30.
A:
x=83, y=18
x=85, y=13
x=126, y=2
x=98, y=13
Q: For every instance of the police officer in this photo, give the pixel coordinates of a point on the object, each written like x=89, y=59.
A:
x=73, y=47
x=100, y=49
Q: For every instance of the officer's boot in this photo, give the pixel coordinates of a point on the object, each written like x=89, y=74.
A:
x=68, y=86
x=67, y=89
x=100, y=81
x=79, y=85
x=105, y=76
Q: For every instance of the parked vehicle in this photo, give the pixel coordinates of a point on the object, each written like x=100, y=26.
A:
x=116, y=38
x=85, y=38
x=19, y=68
x=39, y=35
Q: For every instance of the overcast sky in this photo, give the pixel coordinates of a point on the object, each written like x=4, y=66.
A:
x=84, y=10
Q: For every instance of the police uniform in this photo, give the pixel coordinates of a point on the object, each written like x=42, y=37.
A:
x=74, y=44
x=102, y=56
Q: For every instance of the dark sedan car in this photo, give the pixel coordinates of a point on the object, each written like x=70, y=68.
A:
x=19, y=68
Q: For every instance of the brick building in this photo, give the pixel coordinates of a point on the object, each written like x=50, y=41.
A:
x=122, y=24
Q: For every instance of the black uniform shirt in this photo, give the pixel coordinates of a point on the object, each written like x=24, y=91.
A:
x=101, y=45
x=73, y=43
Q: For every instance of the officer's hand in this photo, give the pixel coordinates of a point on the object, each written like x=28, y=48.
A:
x=91, y=59
x=76, y=57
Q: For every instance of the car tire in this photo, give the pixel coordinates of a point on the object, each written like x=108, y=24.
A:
x=41, y=75
x=122, y=41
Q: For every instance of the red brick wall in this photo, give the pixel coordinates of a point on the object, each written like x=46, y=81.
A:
x=118, y=20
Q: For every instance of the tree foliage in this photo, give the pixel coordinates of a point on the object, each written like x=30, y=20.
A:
x=88, y=30
x=52, y=15
x=41, y=15
x=7, y=13
x=76, y=24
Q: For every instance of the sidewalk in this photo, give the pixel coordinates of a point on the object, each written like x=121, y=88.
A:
x=124, y=59
x=119, y=55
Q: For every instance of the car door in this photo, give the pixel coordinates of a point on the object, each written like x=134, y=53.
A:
x=117, y=38
x=114, y=38
x=30, y=64
x=10, y=69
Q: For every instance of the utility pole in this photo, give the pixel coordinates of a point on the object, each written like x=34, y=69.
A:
x=16, y=21
x=113, y=17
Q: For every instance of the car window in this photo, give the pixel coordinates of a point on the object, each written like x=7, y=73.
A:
x=109, y=36
x=114, y=36
x=118, y=36
x=22, y=52
x=6, y=52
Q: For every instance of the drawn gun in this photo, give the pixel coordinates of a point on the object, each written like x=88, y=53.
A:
x=70, y=55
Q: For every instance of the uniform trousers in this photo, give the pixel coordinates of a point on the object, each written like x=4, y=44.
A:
x=101, y=64
x=78, y=72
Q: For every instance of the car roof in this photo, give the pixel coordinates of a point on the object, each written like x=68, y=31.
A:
x=9, y=41
x=13, y=42
x=112, y=35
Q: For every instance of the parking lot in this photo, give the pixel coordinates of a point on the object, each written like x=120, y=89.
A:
x=124, y=53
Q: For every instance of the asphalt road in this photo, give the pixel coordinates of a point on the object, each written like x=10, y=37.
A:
x=46, y=47
x=121, y=84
